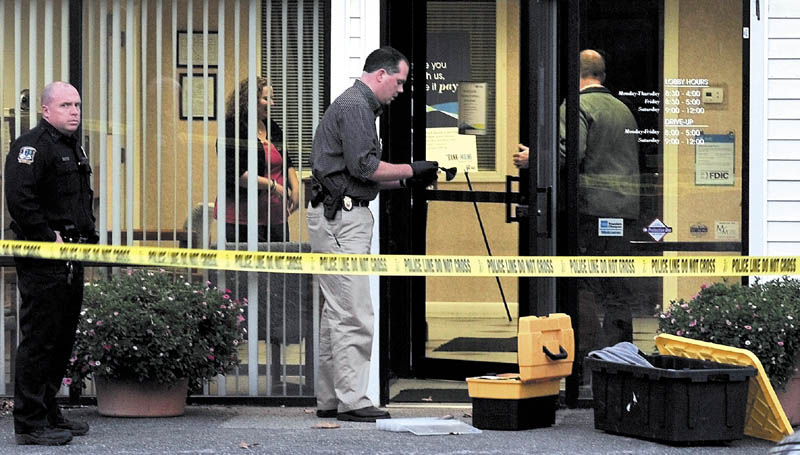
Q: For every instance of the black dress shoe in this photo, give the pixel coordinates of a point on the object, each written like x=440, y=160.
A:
x=368, y=414
x=327, y=413
x=77, y=428
x=44, y=436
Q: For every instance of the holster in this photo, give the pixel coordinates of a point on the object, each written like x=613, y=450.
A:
x=331, y=200
x=71, y=234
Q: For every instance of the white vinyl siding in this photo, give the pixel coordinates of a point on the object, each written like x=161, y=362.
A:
x=784, y=210
x=782, y=128
x=783, y=170
x=784, y=149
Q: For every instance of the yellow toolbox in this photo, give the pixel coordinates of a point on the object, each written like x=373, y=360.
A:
x=546, y=349
x=510, y=387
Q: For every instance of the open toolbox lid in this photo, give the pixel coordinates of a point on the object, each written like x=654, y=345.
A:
x=545, y=347
x=765, y=417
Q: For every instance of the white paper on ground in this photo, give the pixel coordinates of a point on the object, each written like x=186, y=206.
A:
x=426, y=426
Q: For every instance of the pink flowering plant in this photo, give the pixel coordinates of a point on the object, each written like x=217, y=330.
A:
x=155, y=325
x=761, y=318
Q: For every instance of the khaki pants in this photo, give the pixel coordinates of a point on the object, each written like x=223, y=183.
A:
x=346, y=323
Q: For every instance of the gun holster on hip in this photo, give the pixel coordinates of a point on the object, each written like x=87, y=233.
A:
x=330, y=200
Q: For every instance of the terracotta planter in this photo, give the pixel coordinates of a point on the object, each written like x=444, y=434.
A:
x=790, y=399
x=119, y=398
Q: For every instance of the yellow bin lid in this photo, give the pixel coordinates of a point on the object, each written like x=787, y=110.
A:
x=765, y=417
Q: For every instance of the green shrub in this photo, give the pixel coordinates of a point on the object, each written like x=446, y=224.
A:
x=761, y=318
x=149, y=326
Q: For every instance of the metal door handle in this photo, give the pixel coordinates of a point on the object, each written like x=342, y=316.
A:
x=509, y=218
x=522, y=208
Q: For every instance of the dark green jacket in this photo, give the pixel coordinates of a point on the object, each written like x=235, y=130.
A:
x=608, y=155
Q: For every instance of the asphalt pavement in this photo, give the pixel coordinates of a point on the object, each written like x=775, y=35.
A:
x=291, y=430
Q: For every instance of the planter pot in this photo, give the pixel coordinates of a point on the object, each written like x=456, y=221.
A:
x=790, y=399
x=121, y=398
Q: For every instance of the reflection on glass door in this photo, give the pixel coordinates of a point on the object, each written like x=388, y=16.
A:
x=619, y=170
x=469, y=46
x=660, y=154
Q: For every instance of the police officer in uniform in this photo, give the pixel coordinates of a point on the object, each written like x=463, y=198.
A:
x=50, y=200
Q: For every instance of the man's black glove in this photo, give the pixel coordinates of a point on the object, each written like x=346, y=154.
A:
x=426, y=170
x=417, y=182
x=425, y=173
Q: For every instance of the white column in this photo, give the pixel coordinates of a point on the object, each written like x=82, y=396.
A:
x=355, y=32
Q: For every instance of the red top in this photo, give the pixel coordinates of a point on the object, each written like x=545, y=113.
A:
x=266, y=198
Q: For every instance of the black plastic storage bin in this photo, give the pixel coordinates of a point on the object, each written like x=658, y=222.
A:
x=681, y=401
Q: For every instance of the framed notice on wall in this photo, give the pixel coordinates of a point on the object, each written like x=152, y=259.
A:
x=197, y=49
x=203, y=100
x=714, y=159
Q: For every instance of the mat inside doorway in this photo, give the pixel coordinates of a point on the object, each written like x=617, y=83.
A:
x=473, y=344
x=432, y=396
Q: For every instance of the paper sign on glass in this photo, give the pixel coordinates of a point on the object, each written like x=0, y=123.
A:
x=472, y=108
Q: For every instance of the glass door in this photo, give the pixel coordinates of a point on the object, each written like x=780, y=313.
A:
x=657, y=155
x=471, y=124
x=482, y=97
x=666, y=177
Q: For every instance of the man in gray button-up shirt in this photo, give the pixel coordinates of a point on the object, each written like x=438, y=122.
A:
x=348, y=173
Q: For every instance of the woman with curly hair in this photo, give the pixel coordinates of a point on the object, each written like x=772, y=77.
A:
x=278, y=187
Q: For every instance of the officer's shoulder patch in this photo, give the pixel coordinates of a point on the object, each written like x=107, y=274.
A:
x=26, y=155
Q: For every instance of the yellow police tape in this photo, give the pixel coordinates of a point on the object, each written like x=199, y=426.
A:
x=409, y=265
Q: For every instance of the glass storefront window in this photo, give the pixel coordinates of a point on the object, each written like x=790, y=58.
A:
x=661, y=100
x=461, y=49
x=155, y=78
x=659, y=167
